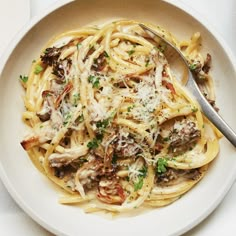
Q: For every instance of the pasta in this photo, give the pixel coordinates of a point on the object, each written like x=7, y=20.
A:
x=110, y=123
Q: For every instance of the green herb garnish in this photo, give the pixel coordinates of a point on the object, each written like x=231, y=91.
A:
x=143, y=173
x=78, y=45
x=38, y=69
x=94, y=81
x=67, y=118
x=106, y=54
x=166, y=139
x=24, y=78
x=81, y=118
x=193, y=67
x=76, y=98
x=139, y=184
x=93, y=144
x=130, y=108
x=131, y=52
x=147, y=63
x=114, y=159
x=103, y=124
x=194, y=109
x=161, y=165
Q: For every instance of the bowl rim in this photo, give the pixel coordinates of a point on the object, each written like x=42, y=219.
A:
x=55, y=6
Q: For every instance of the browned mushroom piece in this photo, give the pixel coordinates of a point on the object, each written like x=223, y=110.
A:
x=87, y=175
x=173, y=174
x=110, y=191
x=63, y=159
x=207, y=64
x=30, y=142
x=182, y=137
x=50, y=56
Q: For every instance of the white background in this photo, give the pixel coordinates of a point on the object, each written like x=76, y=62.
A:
x=221, y=14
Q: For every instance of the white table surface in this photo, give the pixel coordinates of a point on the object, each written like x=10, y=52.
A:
x=221, y=14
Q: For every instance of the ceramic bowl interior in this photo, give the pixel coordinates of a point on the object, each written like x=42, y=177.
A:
x=35, y=193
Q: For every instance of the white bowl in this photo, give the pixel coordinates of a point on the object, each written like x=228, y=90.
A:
x=35, y=193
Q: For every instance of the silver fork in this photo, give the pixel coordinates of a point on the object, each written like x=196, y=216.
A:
x=191, y=84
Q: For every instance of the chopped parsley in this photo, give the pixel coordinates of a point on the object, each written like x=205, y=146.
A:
x=38, y=69
x=143, y=171
x=106, y=54
x=114, y=159
x=194, y=109
x=94, y=81
x=131, y=52
x=139, y=184
x=193, y=66
x=78, y=45
x=24, y=78
x=76, y=98
x=166, y=139
x=102, y=124
x=161, y=165
x=113, y=114
x=81, y=118
x=81, y=161
x=95, y=61
x=93, y=143
x=130, y=108
x=142, y=174
x=147, y=62
x=67, y=118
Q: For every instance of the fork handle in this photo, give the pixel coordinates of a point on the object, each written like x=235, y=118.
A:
x=210, y=112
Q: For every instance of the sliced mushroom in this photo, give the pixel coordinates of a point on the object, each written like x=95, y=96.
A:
x=62, y=159
x=126, y=146
x=61, y=96
x=61, y=69
x=100, y=63
x=30, y=142
x=40, y=136
x=207, y=64
x=108, y=159
x=45, y=112
x=110, y=191
x=184, y=134
x=87, y=175
x=51, y=56
x=174, y=174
